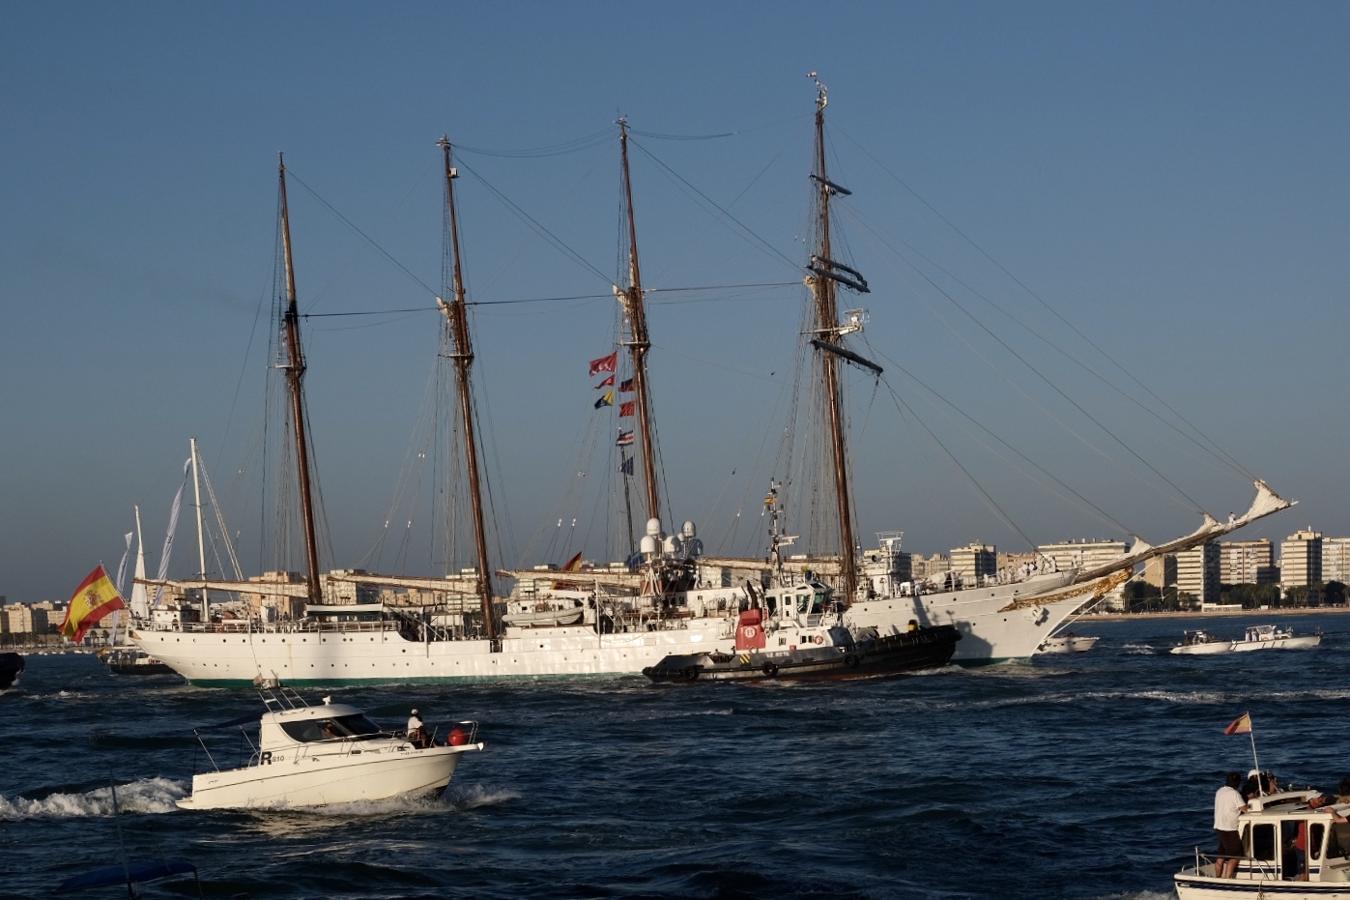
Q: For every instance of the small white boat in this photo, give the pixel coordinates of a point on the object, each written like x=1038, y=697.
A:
x=1202, y=643
x=1068, y=642
x=316, y=755
x=1271, y=866
x=1273, y=637
x=543, y=613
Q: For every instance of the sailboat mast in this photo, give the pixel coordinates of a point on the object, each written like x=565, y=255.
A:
x=639, y=342
x=456, y=315
x=827, y=324
x=201, y=543
x=295, y=375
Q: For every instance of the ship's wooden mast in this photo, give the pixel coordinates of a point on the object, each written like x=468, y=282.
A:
x=295, y=376
x=457, y=320
x=639, y=343
x=827, y=325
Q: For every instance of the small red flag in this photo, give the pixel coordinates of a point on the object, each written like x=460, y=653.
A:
x=604, y=363
x=628, y=408
x=608, y=382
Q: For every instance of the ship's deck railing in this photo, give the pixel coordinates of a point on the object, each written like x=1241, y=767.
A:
x=1249, y=867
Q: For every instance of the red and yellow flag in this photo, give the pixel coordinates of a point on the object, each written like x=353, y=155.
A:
x=94, y=599
x=1241, y=725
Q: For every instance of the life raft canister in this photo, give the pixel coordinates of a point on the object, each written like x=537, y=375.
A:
x=458, y=737
x=749, y=630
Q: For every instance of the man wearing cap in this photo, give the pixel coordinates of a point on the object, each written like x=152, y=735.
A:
x=416, y=733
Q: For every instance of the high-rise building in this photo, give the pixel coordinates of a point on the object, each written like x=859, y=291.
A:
x=1301, y=559
x=975, y=560
x=1247, y=562
x=1198, y=572
x=1336, y=559
x=1085, y=553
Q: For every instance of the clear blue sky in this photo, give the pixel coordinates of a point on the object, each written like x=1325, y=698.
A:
x=1171, y=177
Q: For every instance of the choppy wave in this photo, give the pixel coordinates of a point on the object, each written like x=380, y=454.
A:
x=153, y=795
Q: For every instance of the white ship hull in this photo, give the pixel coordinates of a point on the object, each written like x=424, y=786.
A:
x=300, y=657
x=990, y=632
x=317, y=780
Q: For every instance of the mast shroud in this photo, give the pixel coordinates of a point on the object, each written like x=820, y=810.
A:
x=295, y=375
x=456, y=316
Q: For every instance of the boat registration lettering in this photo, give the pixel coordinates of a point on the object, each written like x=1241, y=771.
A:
x=266, y=758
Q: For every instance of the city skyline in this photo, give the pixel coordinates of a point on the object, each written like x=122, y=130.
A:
x=1128, y=165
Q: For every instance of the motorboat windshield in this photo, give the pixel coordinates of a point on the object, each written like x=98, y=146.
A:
x=350, y=727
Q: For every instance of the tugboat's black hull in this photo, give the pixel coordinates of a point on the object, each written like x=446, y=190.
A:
x=896, y=654
x=133, y=662
x=11, y=667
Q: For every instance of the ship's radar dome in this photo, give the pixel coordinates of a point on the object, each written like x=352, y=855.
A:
x=671, y=544
x=647, y=545
x=653, y=526
x=688, y=529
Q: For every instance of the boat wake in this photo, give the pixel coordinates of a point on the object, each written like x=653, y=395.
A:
x=151, y=795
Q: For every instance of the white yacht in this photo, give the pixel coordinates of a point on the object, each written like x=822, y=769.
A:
x=1271, y=865
x=1202, y=643
x=1068, y=642
x=1274, y=637
x=317, y=755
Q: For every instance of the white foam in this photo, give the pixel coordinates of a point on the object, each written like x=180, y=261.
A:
x=152, y=795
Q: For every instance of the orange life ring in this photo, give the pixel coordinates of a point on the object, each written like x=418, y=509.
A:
x=819, y=639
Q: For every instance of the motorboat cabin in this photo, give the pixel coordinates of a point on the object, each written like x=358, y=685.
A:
x=1291, y=849
x=1275, y=637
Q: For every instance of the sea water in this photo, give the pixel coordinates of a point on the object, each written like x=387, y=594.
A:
x=1089, y=775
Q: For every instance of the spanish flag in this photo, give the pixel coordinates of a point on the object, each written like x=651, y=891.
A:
x=94, y=599
x=1241, y=725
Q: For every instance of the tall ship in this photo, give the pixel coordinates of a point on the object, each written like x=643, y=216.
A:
x=670, y=599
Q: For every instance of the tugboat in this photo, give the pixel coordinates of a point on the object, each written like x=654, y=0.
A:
x=1273, y=637
x=796, y=632
x=131, y=661
x=1272, y=864
x=317, y=755
x=1201, y=643
x=11, y=667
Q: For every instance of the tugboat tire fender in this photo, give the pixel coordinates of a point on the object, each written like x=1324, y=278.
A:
x=691, y=673
x=852, y=660
x=770, y=670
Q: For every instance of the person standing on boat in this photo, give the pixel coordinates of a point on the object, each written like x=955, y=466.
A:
x=1228, y=804
x=416, y=731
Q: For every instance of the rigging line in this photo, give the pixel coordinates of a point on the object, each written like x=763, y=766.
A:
x=892, y=363
x=796, y=267
x=1220, y=457
x=353, y=226
x=722, y=287
x=1004, y=344
x=1041, y=300
x=712, y=362
x=903, y=407
x=760, y=174
x=683, y=137
x=580, y=143
x=538, y=227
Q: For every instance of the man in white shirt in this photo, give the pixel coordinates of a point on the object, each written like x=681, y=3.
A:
x=414, y=729
x=1228, y=804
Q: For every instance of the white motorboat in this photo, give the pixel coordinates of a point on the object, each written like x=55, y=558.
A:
x=1068, y=642
x=1202, y=643
x=1274, y=637
x=317, y=755
x=1271, y=865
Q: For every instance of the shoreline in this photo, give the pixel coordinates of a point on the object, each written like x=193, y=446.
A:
x=1216, y=613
